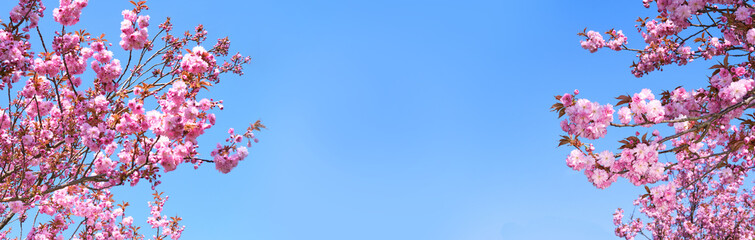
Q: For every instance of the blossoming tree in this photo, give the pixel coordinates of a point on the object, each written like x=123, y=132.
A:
x=66, y=139
x=703, y=192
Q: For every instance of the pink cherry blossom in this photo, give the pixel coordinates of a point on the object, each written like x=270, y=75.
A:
x=69, y=11
x=692, y=183
x=594, y=42
x=82, y=119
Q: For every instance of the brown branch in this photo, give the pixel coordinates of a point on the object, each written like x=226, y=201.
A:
x=95, y=178
x=6, y=220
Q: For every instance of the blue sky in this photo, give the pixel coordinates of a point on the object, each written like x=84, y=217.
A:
x=400, y=119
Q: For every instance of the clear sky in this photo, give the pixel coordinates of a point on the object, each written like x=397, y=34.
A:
x=400, y=119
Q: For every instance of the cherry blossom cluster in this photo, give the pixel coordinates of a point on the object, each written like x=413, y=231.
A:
x=198, y=61
x=29, y=12
x=12, y=55
x=699, y=189
x=82, y=121
x=730, y=90
x=595, y=167
x=105, y=66
x=628, y=230
x=644, y=108
x=638, y=164
x=587, y=119
x=134, y=30
x=227, y=157
x=169, y=226
x=104, y=219
x=69, y=11
x=50, y=66
x=595, y=41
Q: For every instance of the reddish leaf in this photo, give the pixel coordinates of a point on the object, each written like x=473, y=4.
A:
x=623, y=99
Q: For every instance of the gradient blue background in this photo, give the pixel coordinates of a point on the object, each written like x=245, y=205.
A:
x=400, y=119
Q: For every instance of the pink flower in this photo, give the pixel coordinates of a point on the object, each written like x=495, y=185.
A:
x=618, y=41
x=646, y=94
x=682, y=13
x=577, y=160
x=128, y=221
x=655, y=111
x=743, y=14
x=640, y=167
x=625, y=115
x=242, y=152
x=16, y=207
x=143, y=21
x=198, y=61
x=600, y=178
x=593, y=42
x=617, y=216
x=567, y=100
x=136, y=106
x=751, y=36
x=740, y=71
x=103, y=165
x=736, y=90
x=588, y=119
x=696, y=5
x=133, y=37
x=129, y=15
x=69, y=11
x=606, y=159
x=48, y=67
